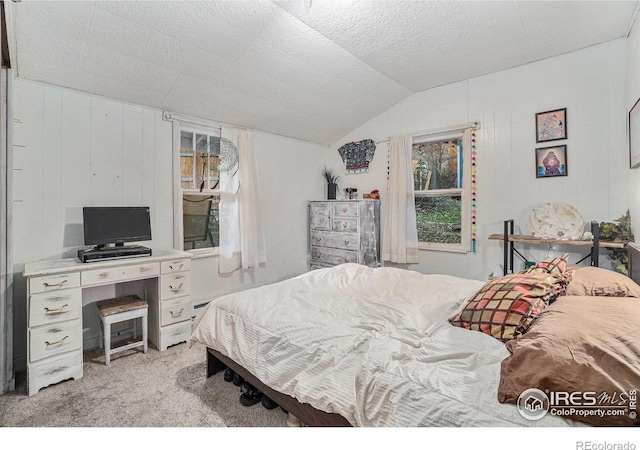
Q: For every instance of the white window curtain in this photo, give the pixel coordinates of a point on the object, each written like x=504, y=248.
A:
x=400, y=232
x=242, y=241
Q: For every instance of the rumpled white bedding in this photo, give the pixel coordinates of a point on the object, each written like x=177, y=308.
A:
x=373, y=345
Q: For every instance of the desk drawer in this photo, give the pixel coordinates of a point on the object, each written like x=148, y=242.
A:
x=54, y=307
x=179, y=265
x=174, y=311
x=51, y=283
x=174, y=334
x=48, y=372
x=175, y=285
x=122, y=273
x=54, y=339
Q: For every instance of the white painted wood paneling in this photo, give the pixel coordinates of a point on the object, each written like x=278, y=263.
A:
x=132, y=151
x=52, y=202
x=107, y=161
x=75, y=176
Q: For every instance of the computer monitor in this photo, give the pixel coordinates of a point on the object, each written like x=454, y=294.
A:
x=106, y=225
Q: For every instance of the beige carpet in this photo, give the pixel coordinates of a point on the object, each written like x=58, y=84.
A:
x=159, y=389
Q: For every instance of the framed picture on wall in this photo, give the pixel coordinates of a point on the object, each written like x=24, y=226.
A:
x=551, y=161
x=634, y=135
x=551, y=125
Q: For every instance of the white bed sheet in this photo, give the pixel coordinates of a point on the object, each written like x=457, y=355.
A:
x=373, y=345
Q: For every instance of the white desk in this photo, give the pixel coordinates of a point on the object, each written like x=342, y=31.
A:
x=54, y=308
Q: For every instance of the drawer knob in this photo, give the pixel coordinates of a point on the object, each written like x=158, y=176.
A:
x=177, y=314
x=346, y=259
x=318, y=239
x=316, y=255
x=176, y=288
x=49, y=285
x=55, y=311
x=144, y=269
x=344, y=209
x=61, y=341
x=104, y=275
x=344, y=224
x=346, y=241
x=177, y=267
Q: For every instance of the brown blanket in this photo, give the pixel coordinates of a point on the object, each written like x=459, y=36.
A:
x=584, y=353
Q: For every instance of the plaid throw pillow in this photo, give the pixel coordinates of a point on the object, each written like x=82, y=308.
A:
x=505, y=307
x=554, y=266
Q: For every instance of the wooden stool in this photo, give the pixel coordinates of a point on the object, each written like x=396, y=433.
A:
x=117, y=310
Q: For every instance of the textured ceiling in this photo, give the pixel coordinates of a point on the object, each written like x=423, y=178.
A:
x=308, y=69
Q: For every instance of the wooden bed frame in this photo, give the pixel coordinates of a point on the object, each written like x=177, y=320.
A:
x=311, y=416
x=306, y=413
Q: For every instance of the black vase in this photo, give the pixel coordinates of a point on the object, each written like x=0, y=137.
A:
x=332, y=188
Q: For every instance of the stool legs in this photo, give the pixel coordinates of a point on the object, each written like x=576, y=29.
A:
x=107, y=341
x=106, y=332
x=145, y=331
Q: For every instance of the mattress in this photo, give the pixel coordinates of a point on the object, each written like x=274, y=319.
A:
x=373, y=345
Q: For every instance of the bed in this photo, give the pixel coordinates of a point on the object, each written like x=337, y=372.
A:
x=356, y=346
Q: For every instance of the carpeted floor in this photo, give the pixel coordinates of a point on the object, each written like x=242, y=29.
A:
x=157, y=389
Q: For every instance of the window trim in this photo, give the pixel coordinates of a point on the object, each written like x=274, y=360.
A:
x=463, y=133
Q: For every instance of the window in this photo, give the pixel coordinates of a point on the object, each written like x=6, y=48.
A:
x=199, y=181
x=441, y=175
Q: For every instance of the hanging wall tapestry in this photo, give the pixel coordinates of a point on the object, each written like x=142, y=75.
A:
x=357, y=155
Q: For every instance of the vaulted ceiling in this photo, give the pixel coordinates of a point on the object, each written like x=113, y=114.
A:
x=308, y=69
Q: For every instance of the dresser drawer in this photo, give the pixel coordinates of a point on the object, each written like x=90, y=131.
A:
x=54, y=339
x=122, y=273
x=53, y=282
x=175, y=310
x=175, y=285
x=346, y=241
x=345, y=209
x=332, y=256
x=179, y=265
x=346, y=224
x=54, y=307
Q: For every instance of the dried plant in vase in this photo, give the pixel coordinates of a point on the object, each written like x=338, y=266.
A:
x=332, y=183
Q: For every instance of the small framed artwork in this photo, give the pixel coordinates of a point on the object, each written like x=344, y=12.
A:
x=551, y=161
x=634, y=136
x=551, y=125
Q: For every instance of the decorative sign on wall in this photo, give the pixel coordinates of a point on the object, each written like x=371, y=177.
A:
x=551, y=125
x=357, y=155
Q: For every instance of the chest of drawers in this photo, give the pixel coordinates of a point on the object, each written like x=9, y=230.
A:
x=343, y=231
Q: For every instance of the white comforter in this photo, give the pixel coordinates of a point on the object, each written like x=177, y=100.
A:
x=373, y=345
